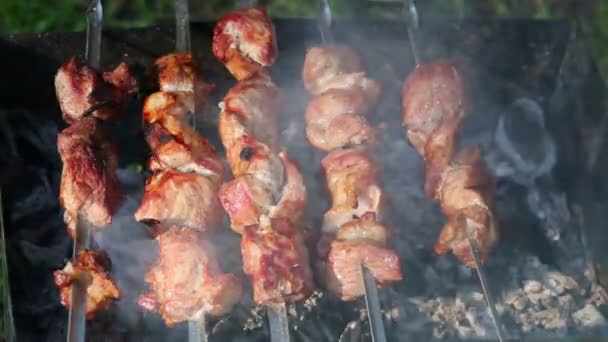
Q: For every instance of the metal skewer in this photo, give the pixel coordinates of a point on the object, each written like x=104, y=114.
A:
x=82, y=231
x=412, y=25
x=373, y=306
x=372, y=302
x=197, y=327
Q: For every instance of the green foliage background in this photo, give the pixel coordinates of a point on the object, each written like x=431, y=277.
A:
x=20, y=16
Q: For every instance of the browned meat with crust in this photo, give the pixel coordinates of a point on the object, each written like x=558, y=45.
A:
x=177, y=73
x=466, y=193
x=93, y=269
x=81, y=90
x=434, y=104
x=324, y=63
x=180, y=201
x=343, y=96
x=246, y=198
x=267, y=195
x=244, y=40
x=276, y=261
x=186, y=281
x=186, y=200
x=88, y=179
x=174, y=143
x=354, y=184
x=344, y=267
x=336, y=123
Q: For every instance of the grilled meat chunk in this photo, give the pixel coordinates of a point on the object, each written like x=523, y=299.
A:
x=267, y=195
x=247, y=198
x=335, y=116
x=187, y=200
x=174, y=143
x=466, y=194
x=82, y=90
x=276, y=261
x=354, y=185
x=244, y=40
x=336, y=123
x=186, y=281
x=177, y=73
x=325, y=63
x=433, y=106
x=344, y=267
x=88, y=180
x=92, y=268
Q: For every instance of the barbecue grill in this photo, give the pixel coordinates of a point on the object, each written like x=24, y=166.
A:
x=544, y=272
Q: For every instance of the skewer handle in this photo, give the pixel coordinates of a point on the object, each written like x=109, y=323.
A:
x=94, y=27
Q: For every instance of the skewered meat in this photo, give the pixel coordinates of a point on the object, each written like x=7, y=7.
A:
x=174, y=143
x=92, y=268
x=335, y=116
x=276, y=261
x=82, y=90
x=336, y=123
x=187, y=281
x=244, y=40
x=180, y=202
x=177, y=73
x=360, y=242
x=88, y=178
x=246, y=198
x=433, y=105
x=467, y=194
x=353, y=182
x=186, y=200
x=267, y=196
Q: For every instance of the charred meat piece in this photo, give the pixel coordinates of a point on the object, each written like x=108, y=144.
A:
x=82, y=90
x=186, y=281
x=174, y=143
x=276, y=261
x=88, y=179
x=466, y=194
x=335, y=116
x=187, y=200
x=92, y=268
x=244, y=40
x=433, y=106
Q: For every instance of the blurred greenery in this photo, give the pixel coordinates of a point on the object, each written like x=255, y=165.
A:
x=19, y=16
